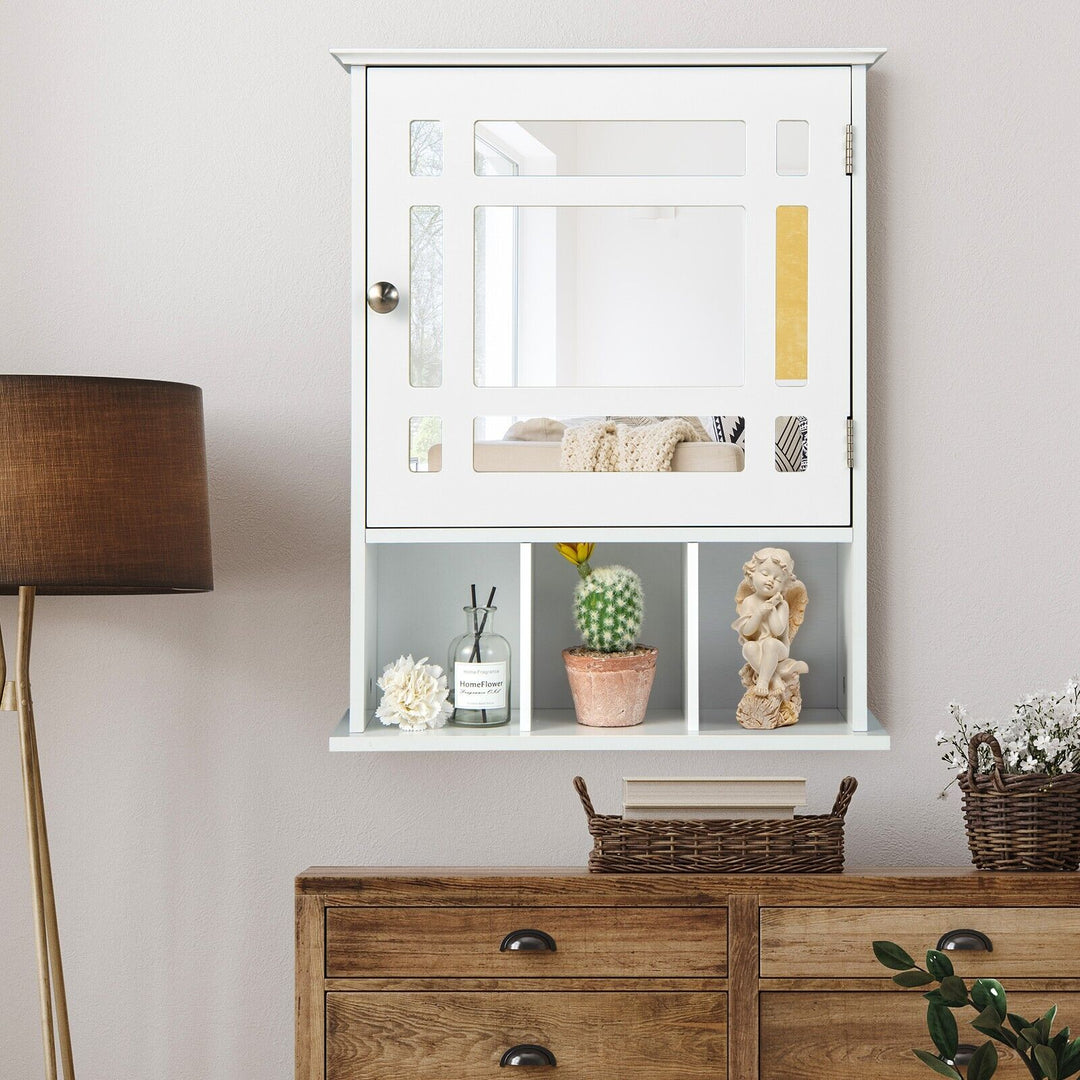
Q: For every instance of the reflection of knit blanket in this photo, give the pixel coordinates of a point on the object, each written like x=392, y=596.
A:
x=604, y=446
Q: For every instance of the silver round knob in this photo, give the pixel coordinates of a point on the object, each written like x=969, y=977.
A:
x=382, y=297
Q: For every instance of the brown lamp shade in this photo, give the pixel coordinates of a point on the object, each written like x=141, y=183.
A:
x=102, y=486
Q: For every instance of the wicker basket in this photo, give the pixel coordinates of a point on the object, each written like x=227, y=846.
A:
x=1024, y=821
x=802, y=845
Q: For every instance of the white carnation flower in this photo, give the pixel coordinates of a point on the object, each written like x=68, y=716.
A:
x=415, y=695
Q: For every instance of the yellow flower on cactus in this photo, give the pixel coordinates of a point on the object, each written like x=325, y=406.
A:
x=578, y=554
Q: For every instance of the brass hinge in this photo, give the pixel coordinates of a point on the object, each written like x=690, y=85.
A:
x=849, y=150
x=850, y=443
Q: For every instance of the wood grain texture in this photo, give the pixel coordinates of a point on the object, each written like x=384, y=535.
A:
x=310, y=989
x=836, y=942
x=851, y=1036
x=501, y=887
x=428, y=993
x=590, y=942
x=887, y=986
x=608, y=1036
x=592, y=985
x=743, y=988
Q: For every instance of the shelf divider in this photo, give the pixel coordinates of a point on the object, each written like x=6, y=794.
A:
x=525, y=636
x=691, y=638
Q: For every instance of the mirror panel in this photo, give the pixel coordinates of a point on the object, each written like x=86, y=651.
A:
x=608, y=444
x=425, y=148
x=609, y=295
x=425, y=435
x=612, y=147
x=792, y=232
x=792, y=148
x=425, y=295
x=792, y=442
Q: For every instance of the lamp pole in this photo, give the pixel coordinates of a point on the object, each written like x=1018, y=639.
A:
x=16, y=698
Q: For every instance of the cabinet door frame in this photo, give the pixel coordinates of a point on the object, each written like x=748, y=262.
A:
x=459, y=497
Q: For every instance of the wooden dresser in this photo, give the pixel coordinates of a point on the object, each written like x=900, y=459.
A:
x=412, y=974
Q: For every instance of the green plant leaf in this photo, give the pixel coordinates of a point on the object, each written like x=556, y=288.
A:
x=938, y=964
x=985, y=991
x=1047, y=1060
x=892, y=956
x=937, y=1064
x=988, y=1023
x=1031, y=1034
x=941, y=1024
x=1045, y=1024
x=1017, y=1021
x=912, y=978
x=1069, y=1060
x=1060, y=1041
x=983, y=1064
x=954, y=990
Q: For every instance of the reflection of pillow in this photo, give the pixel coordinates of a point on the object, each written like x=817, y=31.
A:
x=644, y=421
x=791, y=444
x=535, y=429
x=729, y=429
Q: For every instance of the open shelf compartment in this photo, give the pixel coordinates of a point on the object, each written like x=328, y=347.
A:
x=415, y=595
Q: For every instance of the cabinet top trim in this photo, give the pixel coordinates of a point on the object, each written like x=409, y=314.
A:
x=349, y=58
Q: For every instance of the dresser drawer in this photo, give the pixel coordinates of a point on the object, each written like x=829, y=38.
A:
x=836, y=942
x=407, y=942
x=463, y=1036
x=850, y=1036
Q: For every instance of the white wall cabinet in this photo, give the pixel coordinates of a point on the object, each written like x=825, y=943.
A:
x=574, y=237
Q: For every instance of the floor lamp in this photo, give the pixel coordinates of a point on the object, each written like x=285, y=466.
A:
x=102, y=490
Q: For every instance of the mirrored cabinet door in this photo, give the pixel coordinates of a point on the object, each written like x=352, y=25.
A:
x=608, y=296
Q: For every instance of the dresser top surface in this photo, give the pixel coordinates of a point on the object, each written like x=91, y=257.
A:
x=919, y=886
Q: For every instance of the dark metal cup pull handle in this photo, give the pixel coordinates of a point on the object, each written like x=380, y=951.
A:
x=964, y=1053
x=964, y=941
x=527, y=941
x=527, y=1054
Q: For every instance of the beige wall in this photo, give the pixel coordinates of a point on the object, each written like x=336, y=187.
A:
x=175, y=205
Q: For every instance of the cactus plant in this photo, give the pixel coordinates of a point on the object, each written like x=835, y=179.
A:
x=608, y=609
x=611, y=675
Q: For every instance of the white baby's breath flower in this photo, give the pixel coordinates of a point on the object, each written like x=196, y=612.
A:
x=1042, y=734
x=414, y=695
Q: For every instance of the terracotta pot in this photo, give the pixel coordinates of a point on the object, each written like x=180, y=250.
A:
x=610, y=689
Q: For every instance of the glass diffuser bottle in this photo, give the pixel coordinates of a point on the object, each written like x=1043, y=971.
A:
x=478, y=672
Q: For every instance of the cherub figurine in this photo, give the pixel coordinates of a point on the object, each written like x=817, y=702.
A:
x=771, y=603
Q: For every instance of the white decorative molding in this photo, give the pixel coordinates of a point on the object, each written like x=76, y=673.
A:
x=350, y=58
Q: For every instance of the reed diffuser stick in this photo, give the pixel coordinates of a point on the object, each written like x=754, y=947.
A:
x=478, y=629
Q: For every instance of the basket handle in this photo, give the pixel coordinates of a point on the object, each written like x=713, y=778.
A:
x=982, y=738
x=583, y=795
x=843, y=797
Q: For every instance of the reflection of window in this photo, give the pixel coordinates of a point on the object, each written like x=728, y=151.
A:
x=425, y=295
x=425, y=148
x=424, y=433
x=514, y=251
x=496, y=280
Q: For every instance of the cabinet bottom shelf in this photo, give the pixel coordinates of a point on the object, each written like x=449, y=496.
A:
x=556, y=729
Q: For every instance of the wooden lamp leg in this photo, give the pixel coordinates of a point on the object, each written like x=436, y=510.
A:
x=50, y=965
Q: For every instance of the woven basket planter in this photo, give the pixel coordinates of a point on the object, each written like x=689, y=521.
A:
x=1025, y=821
x=813, y=844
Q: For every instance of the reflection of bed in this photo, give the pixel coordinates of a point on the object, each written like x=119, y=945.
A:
x=515, y=456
